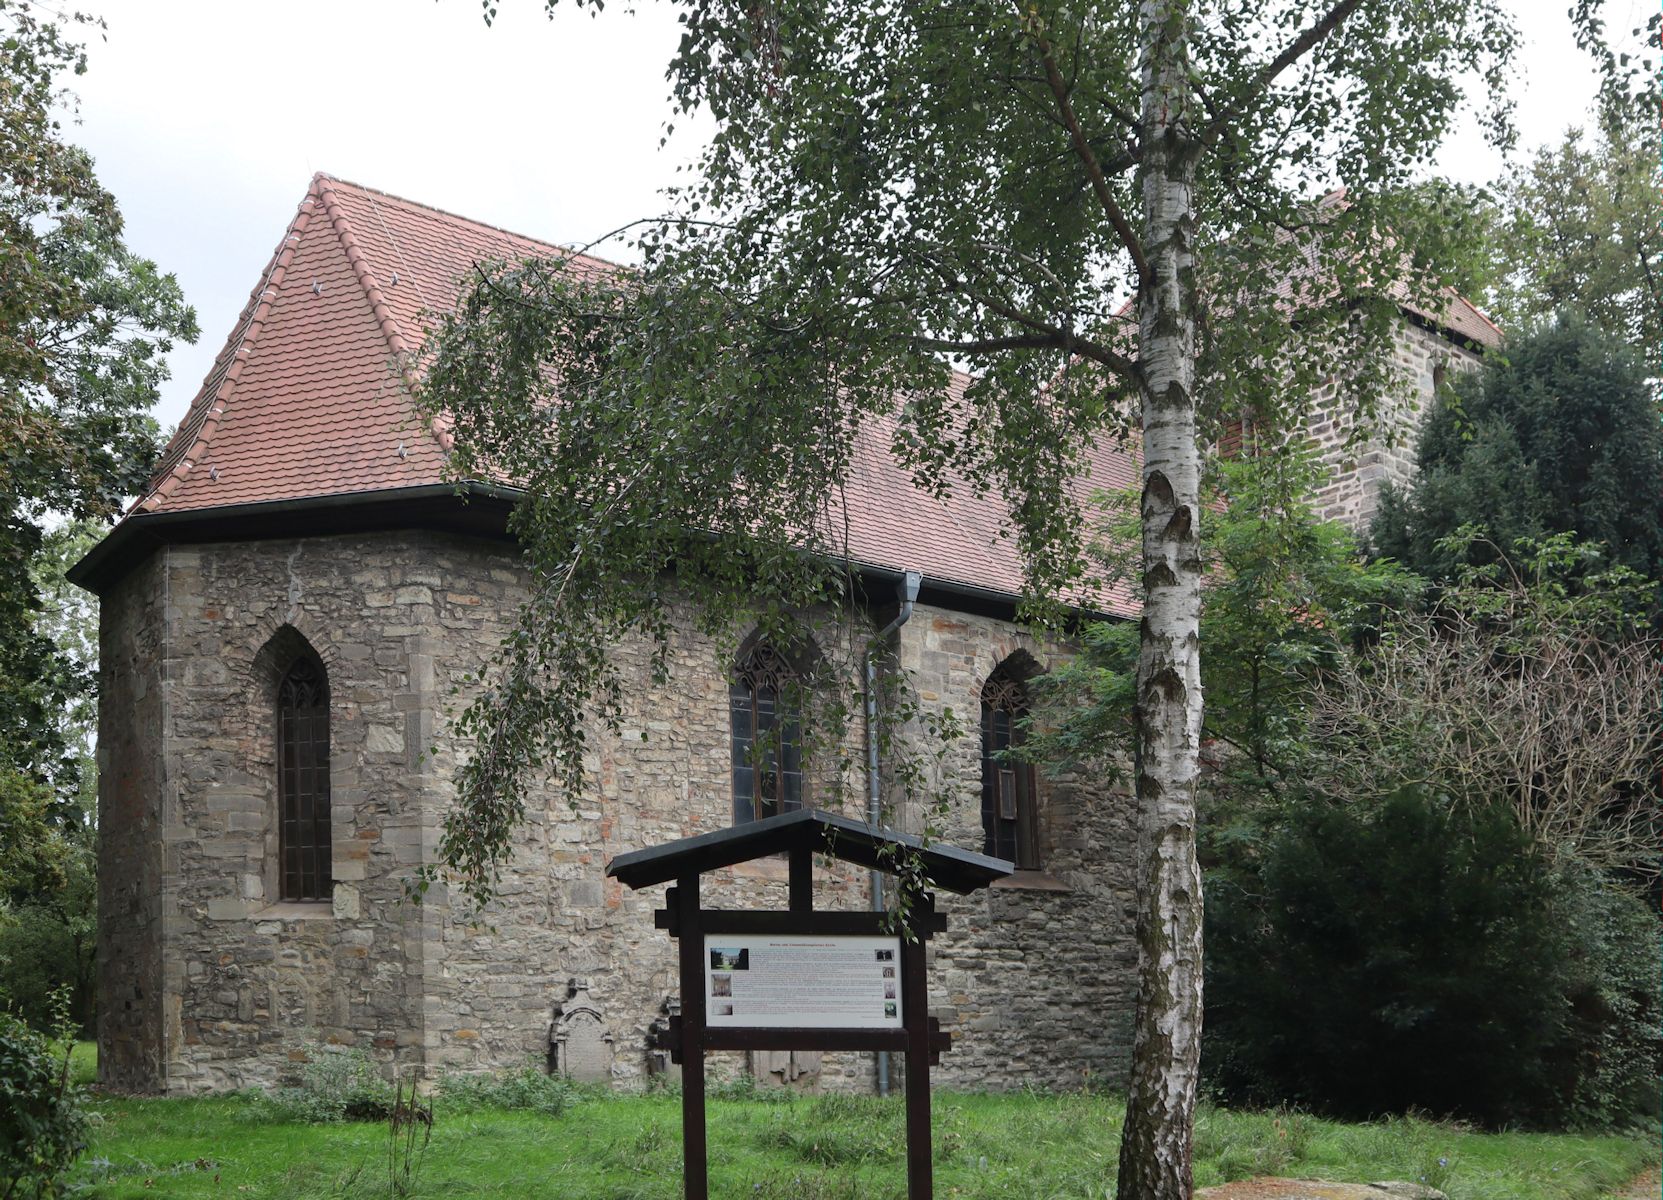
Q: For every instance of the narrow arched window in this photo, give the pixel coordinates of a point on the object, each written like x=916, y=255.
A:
x=767, y=757
x=1010, y=811
x=303, y=846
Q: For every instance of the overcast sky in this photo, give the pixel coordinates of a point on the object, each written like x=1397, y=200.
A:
x=208, y=118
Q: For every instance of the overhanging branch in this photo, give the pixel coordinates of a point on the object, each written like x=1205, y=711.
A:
x=1295, y=50
x=1082, y=147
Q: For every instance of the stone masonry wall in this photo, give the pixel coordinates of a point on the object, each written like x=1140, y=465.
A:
x=249, y=979
x=130, y=786
x=1036, y=976
x=666, y=774
x=1035, y=979
x=1386, y=453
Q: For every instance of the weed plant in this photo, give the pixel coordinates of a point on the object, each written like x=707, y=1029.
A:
x=528, y=1088
x=337, y=1083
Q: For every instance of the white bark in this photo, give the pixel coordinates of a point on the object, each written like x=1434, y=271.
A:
x=1166, y=1049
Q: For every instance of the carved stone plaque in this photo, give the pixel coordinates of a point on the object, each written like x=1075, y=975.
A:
x=580, y=1039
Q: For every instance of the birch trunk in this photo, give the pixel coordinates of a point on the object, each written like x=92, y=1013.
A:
x=1166, y=1046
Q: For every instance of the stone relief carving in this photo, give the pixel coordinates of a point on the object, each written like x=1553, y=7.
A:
x=580, y=1044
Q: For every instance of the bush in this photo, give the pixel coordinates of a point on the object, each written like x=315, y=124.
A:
x=1402, y=955
x=337, y=1083
x=45, y=1125
x=1606, y=1070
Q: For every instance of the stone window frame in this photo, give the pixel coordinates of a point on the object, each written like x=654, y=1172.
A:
x=272, y=662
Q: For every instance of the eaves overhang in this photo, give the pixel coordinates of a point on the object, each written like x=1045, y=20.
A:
x=468, y=508
x=477, y=509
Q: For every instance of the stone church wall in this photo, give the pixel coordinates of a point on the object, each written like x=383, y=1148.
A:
x=1036, y=980
x=131, y=998
x=1036, y=976
x=1359, y=467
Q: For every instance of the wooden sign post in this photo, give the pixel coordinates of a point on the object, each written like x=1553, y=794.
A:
x=801, y=979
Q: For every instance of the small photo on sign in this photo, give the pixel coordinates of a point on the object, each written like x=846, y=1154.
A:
x=885, y=955
x=889, y=1009
x=724, y=1009
x=729, y=958
x=889, y=991
x=721, y=985
x=889, y=972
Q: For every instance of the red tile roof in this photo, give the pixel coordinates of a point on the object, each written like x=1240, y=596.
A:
x=308, y=398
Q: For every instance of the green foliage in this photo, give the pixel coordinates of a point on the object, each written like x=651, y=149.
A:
x=1381, y=957
x=31, y=850
x=48, y=896
x=867, y=214
x=1525, y=685
x=1563, y=435
x=337, y=1083
x=84, y=328
x=1606, y=1069
x=45, y=1123
x=1284, y=597
x=48, y=938
x=529, y=1089
x=1579, y=228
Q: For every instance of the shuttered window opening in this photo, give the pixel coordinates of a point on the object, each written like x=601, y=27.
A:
x=1010, y=810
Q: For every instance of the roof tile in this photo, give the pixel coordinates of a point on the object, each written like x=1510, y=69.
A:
x=310, y=396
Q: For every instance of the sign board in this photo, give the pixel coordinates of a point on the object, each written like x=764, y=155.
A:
x=770, y=982
x=797, y=981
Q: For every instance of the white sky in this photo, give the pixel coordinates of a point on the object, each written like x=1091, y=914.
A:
x=207, y=119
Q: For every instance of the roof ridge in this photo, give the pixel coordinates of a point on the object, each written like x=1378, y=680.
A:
x=219, y=384
x=456, y=216
x=400, y=349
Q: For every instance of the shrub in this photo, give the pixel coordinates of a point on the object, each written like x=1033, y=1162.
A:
x=529, y=1088
x=1378, y=958
x=1607, y=1067
x=45, y=1123
x=337, y=1083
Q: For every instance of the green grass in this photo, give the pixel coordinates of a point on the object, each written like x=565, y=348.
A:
x=830, y=1148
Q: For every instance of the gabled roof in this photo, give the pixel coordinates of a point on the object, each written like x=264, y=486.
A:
x=944, y=865
x=309, y=397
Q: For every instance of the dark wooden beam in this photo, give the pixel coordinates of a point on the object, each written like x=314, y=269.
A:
x=696, y=1173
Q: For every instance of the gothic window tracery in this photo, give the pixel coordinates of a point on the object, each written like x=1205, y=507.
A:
x=303, y=834
x=767, y=756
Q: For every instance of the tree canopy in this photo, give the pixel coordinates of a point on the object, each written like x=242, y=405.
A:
x=1113, y=215
x=84, y=326
x=1579, y=228
x=1561, y=435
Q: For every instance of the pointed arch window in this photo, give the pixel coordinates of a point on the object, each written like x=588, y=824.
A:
x=767, y=753
x=1010, y=812
x=303, y=839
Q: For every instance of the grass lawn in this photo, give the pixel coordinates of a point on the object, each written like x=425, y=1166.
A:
x=808, y=1148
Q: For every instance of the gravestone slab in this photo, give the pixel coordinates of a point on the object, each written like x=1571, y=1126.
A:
x=580, y=1039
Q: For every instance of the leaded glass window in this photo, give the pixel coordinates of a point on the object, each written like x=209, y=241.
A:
x=767, y=757
x=303, y=843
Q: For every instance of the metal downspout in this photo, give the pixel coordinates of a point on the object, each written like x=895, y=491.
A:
x=907, y=591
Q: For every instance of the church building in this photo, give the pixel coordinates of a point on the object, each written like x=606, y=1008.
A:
x=286, y=610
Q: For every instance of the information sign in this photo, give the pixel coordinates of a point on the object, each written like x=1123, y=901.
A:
x=796, y=981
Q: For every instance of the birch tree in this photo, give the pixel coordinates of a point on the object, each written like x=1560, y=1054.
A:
x=1118, y=217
